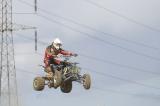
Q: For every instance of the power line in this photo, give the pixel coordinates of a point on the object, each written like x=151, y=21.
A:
x=101, y=60
x=119, y=78
x=120, y=65
x=122, y=16
x=83, y=32
x=97, y=88
x=104, y=90
x=122, y=79
x=120, y=92
x=133, y=82
x=99, y=39
x=117, y=64
x=29, y=38
x=91, y=28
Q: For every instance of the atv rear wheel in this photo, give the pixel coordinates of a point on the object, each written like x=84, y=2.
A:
x=66, y=87
x=57, y=79
x=86, y=81
x=38, y=83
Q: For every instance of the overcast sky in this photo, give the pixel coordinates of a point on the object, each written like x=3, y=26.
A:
x=114, y=85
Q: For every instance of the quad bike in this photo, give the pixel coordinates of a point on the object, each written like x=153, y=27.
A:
x=64, y=75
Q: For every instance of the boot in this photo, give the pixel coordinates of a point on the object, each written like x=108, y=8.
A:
x=49, y=76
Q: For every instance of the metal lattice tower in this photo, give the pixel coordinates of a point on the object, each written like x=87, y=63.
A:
x=8, y=84
x=7, y=73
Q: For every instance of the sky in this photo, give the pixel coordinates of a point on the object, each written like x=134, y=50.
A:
x=117, y=67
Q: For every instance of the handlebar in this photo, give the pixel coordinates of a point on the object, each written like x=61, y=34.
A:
x=66, y=56
x=63, y=56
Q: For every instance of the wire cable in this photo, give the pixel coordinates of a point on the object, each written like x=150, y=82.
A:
x=99, y=39
x=103, y=90
x=120, y=65
x=122, y=79
x=91, y=28
x=97, y=88
x=141, y=95
x=98, y=59
x=122, y=16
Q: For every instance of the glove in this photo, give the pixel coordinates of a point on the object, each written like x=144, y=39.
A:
x=75, y=55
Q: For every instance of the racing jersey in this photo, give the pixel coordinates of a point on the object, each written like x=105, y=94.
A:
x=51, y=53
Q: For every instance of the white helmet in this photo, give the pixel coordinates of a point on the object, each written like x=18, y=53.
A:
x=57, y=43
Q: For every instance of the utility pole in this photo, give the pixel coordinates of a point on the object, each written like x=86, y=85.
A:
x=8, y=84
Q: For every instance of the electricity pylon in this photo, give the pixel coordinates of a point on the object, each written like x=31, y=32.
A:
x=8, y=84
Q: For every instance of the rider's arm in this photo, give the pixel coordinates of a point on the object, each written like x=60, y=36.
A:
x=66, y=52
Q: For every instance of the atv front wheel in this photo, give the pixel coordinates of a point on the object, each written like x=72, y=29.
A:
x=39, y=83
x=86, y=81
x=57, y=79
x=66, y=87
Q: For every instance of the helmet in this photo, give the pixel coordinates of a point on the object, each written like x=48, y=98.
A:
x=57, y=43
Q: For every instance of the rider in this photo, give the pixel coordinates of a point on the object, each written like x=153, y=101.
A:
x=51, y=53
